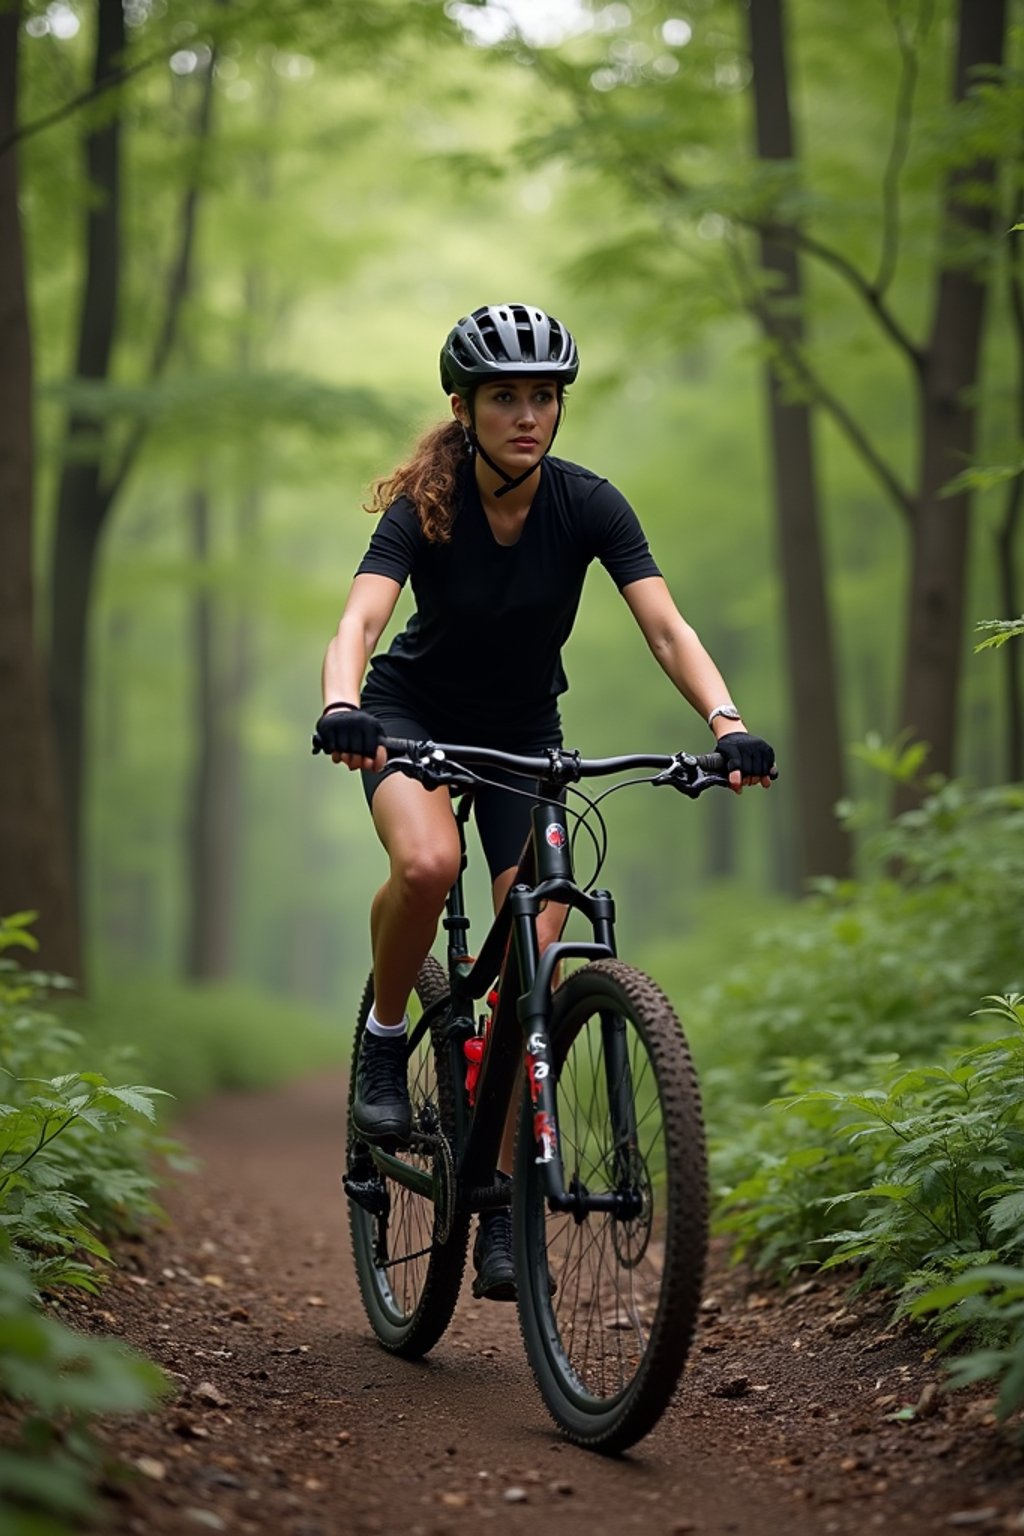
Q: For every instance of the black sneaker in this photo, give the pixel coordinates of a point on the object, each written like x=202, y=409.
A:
x=492, y=1257
x=381, y=1108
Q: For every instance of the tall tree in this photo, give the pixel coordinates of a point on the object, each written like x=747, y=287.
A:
x=34, y=873
x=91, y=478
x=83, y=499
x=948, y=373
x=810, y=651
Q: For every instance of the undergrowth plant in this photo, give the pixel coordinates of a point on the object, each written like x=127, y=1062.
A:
x=74, y=1150
x=917, y=1179
x=864, y=1111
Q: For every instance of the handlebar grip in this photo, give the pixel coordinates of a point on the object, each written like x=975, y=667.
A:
x=714, y=762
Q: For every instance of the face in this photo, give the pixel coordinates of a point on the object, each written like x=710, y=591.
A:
x=514, y=420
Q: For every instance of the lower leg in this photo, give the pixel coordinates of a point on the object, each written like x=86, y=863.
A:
x=401, y=933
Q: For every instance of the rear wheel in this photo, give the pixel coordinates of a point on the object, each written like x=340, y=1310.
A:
x=409, y=1251
x=608, y=1339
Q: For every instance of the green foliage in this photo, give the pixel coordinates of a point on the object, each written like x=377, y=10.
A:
x=894, y=1140
x=889, y=963
x=74, y=1149
x=999, y=631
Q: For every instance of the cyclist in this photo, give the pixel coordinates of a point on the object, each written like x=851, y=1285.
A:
x=495, y=536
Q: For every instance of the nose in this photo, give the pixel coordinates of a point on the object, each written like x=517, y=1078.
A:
x=526, y=411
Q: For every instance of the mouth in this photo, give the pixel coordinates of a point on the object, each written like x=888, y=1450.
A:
x=524, y=442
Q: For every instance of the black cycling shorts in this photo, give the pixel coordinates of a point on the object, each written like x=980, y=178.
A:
x=502, y=818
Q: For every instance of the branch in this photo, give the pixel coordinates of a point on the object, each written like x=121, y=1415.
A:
x=869, y=292
x=178, y=284
x=900, y=140
x=99, y=88
x=788, y=234
x=819, y=393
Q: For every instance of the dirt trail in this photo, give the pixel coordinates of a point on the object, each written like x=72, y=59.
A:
x=291, y=1420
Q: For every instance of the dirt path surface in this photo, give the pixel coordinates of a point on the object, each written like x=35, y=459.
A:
x=291, y=1420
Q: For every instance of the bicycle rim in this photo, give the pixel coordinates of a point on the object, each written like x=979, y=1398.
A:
x=607, y=1347
x=408, y=1278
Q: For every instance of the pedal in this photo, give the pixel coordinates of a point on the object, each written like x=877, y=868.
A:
x=368, y=1193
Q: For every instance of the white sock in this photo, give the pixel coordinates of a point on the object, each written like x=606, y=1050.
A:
x=386, y=1031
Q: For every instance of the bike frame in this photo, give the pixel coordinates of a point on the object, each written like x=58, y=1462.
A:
x=511, y=952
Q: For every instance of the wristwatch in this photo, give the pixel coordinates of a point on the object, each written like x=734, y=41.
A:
x=727, y=712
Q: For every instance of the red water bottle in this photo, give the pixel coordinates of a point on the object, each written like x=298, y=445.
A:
x=475, y=1049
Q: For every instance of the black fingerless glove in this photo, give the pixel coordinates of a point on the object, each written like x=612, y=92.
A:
x=351, y=731
x=750, y=754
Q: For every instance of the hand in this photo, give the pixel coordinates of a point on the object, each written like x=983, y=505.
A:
x=351, y=736
x=748, y=759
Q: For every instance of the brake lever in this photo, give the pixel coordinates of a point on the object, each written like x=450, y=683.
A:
x=689, y=778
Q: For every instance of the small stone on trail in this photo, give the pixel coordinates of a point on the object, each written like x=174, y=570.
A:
x=217, y=1280
x=842, y=1323
x=207, y=1518
x=455, y=1500
x=210, y=1396
x=315, y=1301
x=343, y=1437
x=738, y=1386
x=928, y=1402
x=965, y=1517
x=150, y=1467
x=238, y=1315
x=515, y=1496
x=189, y=1430
x=683, y=1527
x=562, y=1487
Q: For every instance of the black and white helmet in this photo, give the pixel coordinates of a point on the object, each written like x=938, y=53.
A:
x=503, y=339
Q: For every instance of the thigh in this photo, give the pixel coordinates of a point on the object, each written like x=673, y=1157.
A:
x=412, y=820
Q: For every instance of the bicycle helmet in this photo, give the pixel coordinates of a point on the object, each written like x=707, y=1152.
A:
x=502, y=339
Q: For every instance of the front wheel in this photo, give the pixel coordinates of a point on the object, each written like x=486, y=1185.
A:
x=409, y=1252
x=608, y=1302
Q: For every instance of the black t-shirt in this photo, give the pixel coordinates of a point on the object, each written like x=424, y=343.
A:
x=481, y=656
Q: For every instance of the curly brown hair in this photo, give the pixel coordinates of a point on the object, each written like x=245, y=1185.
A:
x=428, y=480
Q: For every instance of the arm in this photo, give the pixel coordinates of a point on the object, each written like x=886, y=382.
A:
x=371, y=602
x=679, y=652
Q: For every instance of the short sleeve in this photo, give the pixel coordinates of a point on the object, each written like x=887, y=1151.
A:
x=619, y=541
x=395, y=544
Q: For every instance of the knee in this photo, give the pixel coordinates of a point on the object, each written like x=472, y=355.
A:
x=426, y=875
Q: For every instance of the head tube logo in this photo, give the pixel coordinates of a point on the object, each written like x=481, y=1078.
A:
x=555, y=835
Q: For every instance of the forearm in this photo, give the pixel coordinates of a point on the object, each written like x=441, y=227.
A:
x=680, y=653
x=345, y=662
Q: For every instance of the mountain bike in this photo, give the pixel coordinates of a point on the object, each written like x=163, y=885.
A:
x=609, y=1189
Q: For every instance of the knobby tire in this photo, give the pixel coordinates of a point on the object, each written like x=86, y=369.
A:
x=608, y=1340
x=410, y=1303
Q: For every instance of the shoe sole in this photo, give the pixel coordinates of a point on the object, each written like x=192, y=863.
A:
x=503, y=1290
x=389, y=1130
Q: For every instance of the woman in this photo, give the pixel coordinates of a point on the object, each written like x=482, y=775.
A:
x=495, y=537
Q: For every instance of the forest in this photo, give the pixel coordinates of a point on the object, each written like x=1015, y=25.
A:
x=786, y=235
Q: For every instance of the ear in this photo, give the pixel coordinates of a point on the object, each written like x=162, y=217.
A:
x=460, y=410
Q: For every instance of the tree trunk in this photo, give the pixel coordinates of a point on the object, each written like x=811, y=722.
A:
x=82, y=500
x=213, y=842
x=940, y=526
x=34, y=873
x=818, y=776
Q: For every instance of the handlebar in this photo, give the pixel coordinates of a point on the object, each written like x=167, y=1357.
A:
x=437, y=763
